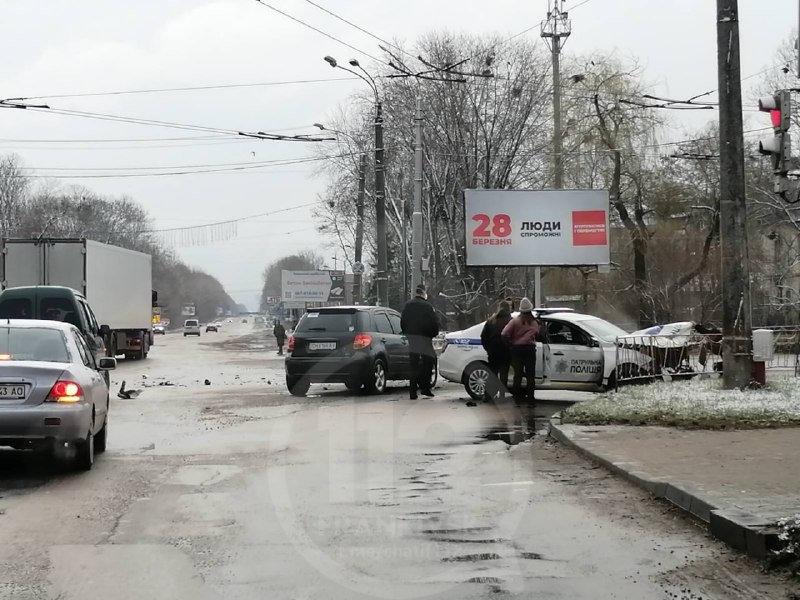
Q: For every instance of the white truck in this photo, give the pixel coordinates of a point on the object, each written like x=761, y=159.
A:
x=116, y=282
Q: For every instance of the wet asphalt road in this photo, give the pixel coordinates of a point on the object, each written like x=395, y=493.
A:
x=237, y=490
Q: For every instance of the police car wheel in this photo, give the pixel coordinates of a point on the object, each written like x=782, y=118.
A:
x=476, y=379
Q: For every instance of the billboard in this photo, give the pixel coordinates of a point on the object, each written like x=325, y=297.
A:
x=306, y=286
x=337, y=287
x=188, y=310
x=536, y=227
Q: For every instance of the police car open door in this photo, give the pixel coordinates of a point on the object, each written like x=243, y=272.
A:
x=574, y=358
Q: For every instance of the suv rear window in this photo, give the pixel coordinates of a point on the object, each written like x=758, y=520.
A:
x=331, y=321
x=59, y=309
x=16, y=308
x=31, y=343
x=191, y=323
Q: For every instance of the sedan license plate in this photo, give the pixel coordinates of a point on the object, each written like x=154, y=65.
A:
x=12, y=392
x=322, y=346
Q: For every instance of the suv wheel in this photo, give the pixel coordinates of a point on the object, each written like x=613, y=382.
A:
x=298, y=386
x=476, y=380
x=377, y=382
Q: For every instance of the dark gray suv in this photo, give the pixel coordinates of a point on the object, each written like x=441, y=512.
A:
x=359, y=346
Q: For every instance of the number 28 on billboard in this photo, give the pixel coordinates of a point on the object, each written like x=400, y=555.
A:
x=532, y=227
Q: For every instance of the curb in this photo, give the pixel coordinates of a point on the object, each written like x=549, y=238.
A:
x=739, y=529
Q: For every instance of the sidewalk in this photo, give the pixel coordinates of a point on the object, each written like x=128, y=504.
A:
x=739, y=482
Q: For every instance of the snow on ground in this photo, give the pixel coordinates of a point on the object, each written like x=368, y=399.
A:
x=694, y=403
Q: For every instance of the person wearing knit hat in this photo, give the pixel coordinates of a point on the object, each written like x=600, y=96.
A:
x=419, y=324
x=521, y=334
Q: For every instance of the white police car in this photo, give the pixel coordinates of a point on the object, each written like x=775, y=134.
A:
x=579, y=354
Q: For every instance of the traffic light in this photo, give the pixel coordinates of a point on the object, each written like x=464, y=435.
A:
x=779, y=146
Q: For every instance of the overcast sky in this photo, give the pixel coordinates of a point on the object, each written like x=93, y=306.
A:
x=52, y=47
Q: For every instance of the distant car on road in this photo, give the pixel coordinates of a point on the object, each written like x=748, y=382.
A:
x=360, y=346
x=244, y=320
x=159, y=329
x=211, y=327
x=52, y=392
x=579, y=353
x=191, y=327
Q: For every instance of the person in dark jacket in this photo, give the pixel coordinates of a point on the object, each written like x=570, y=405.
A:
x=497, y=351
x=420, y=325
x=280, y=336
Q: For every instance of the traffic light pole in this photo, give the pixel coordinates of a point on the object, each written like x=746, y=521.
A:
x=736, y=325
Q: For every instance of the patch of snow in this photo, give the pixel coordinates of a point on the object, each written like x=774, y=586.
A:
x=694, y=401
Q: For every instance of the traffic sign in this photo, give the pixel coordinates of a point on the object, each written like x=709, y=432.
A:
x=358, y=268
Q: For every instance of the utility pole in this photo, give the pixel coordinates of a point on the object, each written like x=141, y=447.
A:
x=380, y=210
x=416, y=217
x=736, y=325
x=556, y=28
x=404, y=205
x=357, y=277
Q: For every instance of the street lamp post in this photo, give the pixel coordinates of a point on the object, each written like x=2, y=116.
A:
x=382, y=274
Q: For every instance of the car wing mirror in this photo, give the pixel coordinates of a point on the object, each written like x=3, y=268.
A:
x=105, y=330
x=107, y=364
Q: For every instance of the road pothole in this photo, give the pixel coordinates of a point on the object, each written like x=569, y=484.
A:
x=472, y=557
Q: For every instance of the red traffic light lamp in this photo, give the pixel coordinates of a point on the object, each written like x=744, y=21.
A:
x=779, y=146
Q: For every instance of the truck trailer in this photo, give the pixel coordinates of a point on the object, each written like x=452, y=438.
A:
x=116, y=282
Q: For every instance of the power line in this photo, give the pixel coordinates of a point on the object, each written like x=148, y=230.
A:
x=361, y=29
x=203, y=166
x=230, y=221
x=327, y=35
x=127, y=140
x=160, y=123
x=133, y=120
x=185, y=170
x=184, y=89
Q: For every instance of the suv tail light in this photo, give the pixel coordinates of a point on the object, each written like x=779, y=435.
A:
x=361, y=341
x=290, y=344
x=66, y=392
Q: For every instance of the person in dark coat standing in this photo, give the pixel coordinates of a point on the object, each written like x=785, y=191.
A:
x=420, y=325
x=280, y=336
x=521, y=334
x=497, y=351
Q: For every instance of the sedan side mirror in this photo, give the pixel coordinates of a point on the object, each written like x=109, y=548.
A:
x=107, y=364
x=594, y=342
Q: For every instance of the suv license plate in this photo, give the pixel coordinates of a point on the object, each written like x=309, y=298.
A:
x=12, y=392
x=322, y=346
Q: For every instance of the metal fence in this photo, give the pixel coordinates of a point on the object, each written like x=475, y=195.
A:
x=645, y=358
